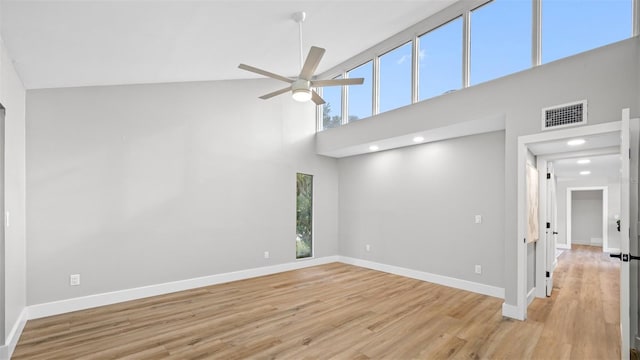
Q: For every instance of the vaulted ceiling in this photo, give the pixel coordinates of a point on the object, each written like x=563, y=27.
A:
x=85, y=43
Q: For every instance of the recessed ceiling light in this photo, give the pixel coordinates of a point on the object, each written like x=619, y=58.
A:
x=373, y=148
x=576, y=142
x=586, y=172
x=583, y=161
x=418, y=139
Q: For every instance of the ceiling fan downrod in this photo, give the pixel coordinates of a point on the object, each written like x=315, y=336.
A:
x=299, y=17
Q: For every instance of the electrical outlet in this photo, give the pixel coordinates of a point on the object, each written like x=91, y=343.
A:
x=266, y=254
x=367, y=247
x=478, y=219
x=74, y=279
x=478, y=269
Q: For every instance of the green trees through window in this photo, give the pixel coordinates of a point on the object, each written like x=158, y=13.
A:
x=304, y=215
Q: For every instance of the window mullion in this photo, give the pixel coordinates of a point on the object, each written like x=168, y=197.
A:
x=536, y=33
x=375, y=103
x=345, y=100
x=635, y=17
x=466, y=47
x=415, y=68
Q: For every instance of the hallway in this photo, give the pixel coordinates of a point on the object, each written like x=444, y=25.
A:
x=581, y=319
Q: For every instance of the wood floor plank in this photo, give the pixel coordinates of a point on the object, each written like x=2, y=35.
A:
x=339, y=311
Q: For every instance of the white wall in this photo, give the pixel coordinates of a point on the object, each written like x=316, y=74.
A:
x=12, y=97
x=607, y=77
x=613, y=201
x=416, y=207
x=586, y=217
x=138, y=185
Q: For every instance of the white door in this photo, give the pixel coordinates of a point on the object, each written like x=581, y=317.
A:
x=551, y=232
x=628, y=223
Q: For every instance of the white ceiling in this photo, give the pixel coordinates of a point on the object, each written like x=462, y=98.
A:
x=84, y=43
x=601, y=149
x=597, y=141
x=603, y=166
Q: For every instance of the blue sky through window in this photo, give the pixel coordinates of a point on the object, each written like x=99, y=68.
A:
x=500, y=44
x=573, y=26
x=500, y=40
x=440, y=60
x=361, y=96
x=395, y=78
x=332, y=109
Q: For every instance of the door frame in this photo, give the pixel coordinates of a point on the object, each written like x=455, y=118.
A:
x=605, y=214
x=523, y=147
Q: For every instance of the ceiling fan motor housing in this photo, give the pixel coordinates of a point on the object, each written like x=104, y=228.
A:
x=301, y=90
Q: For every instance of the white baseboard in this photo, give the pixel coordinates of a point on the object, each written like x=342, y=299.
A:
x=511, y=311
x=563, y=246
x=611, y=250
x=91, y=301
x=531, y=295
x=14, y=335
x=425, y=276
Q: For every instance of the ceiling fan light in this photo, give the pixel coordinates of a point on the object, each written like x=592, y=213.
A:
x=301, y=95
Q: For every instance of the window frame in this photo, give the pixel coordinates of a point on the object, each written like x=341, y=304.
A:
x=313, y=242
x=410, y=34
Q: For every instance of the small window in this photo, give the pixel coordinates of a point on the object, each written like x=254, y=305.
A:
x=395, y=78
x=500, y=40
x=332, y=108
x=571, y=27
x=440, y=60
x=361, y=96
x=304, y=216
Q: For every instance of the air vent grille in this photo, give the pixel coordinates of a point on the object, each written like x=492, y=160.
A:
x=564, y=115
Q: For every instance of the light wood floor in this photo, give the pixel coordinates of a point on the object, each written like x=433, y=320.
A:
x=344, y=312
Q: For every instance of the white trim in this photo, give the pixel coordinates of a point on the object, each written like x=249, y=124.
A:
x=611, y=250
x=511, y=311
x=605, y=213
x=531, y=295
x=563, y=246
x=540, y=250
x=91, y=301
x=14, y=335
x=429, y=277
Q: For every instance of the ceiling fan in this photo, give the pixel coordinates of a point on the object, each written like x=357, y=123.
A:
x=303, y=86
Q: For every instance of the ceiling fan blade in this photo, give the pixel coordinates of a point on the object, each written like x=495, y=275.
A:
x=337, y=82
x=265, y=73
x=275, y=93
x=311, y=63
x=316, y=98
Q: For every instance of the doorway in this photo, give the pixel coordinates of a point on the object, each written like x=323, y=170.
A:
x=587, y=217
x=624, y=133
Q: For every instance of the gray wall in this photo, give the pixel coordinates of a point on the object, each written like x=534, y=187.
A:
x=12, y=97
x=137, y=185
x=416, y=207
x=607, y=77
x=613, y=201
x=586, y=217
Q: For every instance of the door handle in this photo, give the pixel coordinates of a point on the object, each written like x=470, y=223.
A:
x=555, y=233
x=625, y=257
